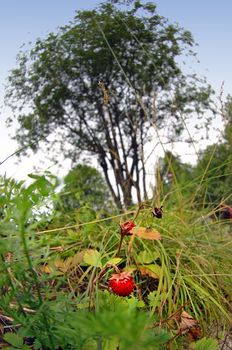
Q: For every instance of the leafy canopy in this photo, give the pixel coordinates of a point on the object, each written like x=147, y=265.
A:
x=83, y=185
x=215, y=165
x=134, y=54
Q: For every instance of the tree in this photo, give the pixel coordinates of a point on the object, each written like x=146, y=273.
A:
x=214, y=168
x=173, y=172
x=227, y=116
x=83, y=185
x=105, y=85
x=172, y=167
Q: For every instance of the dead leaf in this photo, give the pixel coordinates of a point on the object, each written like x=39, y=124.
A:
x=75, y=260
x=187, y=322
x=8, y=257
x=195, y=333
x=61, y=265
x=146, y=233
x=57, y=249
x=57, y=266
x=45, y=269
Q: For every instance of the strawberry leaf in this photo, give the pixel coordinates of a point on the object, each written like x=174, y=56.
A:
x=92, y=257
x=150, y=270
x=113, y=261
x=146, y=257
x=13, y=339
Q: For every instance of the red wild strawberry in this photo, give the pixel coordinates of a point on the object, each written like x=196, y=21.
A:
x=122, y=284
x=126, y=227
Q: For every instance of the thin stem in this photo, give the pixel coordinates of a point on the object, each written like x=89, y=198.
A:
x=120, y=246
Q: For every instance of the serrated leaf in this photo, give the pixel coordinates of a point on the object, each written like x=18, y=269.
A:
x=13, y=339
x=113, y=261
x=146, y=257
x=37, y=345
x=141, y=304
x=206, y=344
x=155, y=298
x=130, y=268
x=152, y=295
x=92, y=257
x=146, y=233
x=112, y=343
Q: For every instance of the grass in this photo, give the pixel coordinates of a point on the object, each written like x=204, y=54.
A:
x=54, y=281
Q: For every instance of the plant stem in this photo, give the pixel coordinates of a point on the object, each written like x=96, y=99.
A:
x=120, y=246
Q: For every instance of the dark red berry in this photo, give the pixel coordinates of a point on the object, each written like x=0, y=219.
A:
x=158, y=212
x=126, y=227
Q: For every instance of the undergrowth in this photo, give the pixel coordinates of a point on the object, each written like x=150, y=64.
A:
x=54, y=277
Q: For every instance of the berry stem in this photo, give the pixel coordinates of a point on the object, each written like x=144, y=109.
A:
x=120, y=246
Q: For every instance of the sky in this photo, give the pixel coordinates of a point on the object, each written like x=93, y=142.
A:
x=22, y=21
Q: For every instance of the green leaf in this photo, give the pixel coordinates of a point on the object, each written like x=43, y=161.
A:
x=113, y=261
x=111, y=344
x=155, y=268
x=86, y=305
x=151, y=270
x=141, y=304
x=146, y=257
x=13, y=339
x=92, y=257
x=37, y=345
x=206, y=344
x=155, y=298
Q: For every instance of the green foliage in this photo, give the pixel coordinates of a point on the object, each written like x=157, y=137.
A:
x=84, y=186
x=16, y=261
x=16, y=341
x=214, y=167
x=93, y=258
x=175, y=179
x=206, y=344
x=227, y=115
x=173, y=171
x=55, y=283
x=214, y=170
x=116, y=323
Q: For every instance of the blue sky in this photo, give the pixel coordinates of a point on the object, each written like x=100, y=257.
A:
x=211, y=26
x=22, y=21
